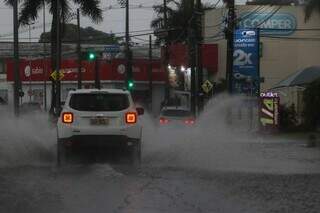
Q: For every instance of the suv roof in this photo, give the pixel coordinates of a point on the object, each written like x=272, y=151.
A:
x=113, y=91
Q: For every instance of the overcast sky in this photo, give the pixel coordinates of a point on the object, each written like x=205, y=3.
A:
x=113, y=19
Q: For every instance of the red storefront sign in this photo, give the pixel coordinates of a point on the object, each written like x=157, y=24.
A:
x=179, y=56
x=39, y=70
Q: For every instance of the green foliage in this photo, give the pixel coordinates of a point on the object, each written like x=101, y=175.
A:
x=287, y=118
x=311, y=99
x=312, y=6
x=88, y=36
x=179, y=13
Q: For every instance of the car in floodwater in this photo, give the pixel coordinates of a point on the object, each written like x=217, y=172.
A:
x=176, y=116
x=99, y=118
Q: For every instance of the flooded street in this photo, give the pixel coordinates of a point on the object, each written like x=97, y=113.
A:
x=204, y=169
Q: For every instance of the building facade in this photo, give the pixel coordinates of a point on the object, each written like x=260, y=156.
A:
x=288, y=43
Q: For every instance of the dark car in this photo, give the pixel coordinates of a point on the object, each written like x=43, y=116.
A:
x=176, y=116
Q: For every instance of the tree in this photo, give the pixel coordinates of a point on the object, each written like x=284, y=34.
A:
x=311, y=99
x=89, y=35
x=311, y=6
x=30, y=10
x=179, y=14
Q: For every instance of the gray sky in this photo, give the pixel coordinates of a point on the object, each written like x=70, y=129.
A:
x=113, y=19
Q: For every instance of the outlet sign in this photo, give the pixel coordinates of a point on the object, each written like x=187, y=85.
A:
x=279, y=24
x=269, y=113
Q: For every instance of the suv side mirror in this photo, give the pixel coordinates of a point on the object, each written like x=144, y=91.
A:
x=140, y=110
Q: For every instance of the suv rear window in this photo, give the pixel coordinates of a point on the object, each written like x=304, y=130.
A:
x=99, y=102
x=176, y=113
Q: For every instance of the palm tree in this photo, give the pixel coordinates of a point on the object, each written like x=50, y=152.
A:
x=179, y=15
x=31, y=8
x=311, y=6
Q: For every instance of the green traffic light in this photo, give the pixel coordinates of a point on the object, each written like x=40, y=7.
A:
x=130, y=85
x=92, y=56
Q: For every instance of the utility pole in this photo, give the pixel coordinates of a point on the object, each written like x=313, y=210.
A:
x=58, y=61
x=79, y=50
x=17, y=83
x=150, y=70
x=192, y=60
x=44, y=59
x=198, y=27
x=97, y=84
x=230, y=43
x=166, y=53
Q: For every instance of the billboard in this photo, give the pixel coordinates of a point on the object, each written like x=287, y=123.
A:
x=278, y=24
x=39, y=70
x=246, y=62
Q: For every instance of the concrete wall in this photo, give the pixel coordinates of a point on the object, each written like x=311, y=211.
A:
x=282, y=56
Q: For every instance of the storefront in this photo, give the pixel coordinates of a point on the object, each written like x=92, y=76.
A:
x=287, y=42
x=36, y=80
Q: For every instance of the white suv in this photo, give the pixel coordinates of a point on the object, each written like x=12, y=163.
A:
x=106, y=117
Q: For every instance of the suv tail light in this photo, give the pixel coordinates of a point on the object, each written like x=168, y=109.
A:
x=131, y=118
x=163, y=121
x=189, y=121
x=67, y=117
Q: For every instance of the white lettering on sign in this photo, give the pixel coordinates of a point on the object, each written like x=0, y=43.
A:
x=245, y=40
x=242, y=58
x=37, y=70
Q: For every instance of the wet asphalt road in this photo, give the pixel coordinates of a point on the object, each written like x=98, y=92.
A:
x=102, y=188
x=194, y=170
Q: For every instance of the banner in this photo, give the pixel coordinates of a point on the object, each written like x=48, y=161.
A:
x=246, y=62
x=269, y=111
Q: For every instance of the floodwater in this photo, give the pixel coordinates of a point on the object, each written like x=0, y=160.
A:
x=217, y=166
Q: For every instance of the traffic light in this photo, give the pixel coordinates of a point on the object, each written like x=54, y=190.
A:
x=91, y=56
x=130, y=85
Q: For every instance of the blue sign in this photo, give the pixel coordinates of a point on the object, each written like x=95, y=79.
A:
x=246, y=62
x=113, y=48
x=280, y=24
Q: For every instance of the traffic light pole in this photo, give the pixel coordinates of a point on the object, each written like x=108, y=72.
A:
x=58, y=61
x=17, y=83
x=230, y=44
x=79, y=50
x=128, y=51
x=192, y=62
x=198, y=27
x=97, y=83
x=150, y=70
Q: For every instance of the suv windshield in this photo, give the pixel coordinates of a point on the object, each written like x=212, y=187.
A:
x=176, y=113
x=99, y=102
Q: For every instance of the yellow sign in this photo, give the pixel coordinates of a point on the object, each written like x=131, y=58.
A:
x=207, y=86
x=55, y=75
